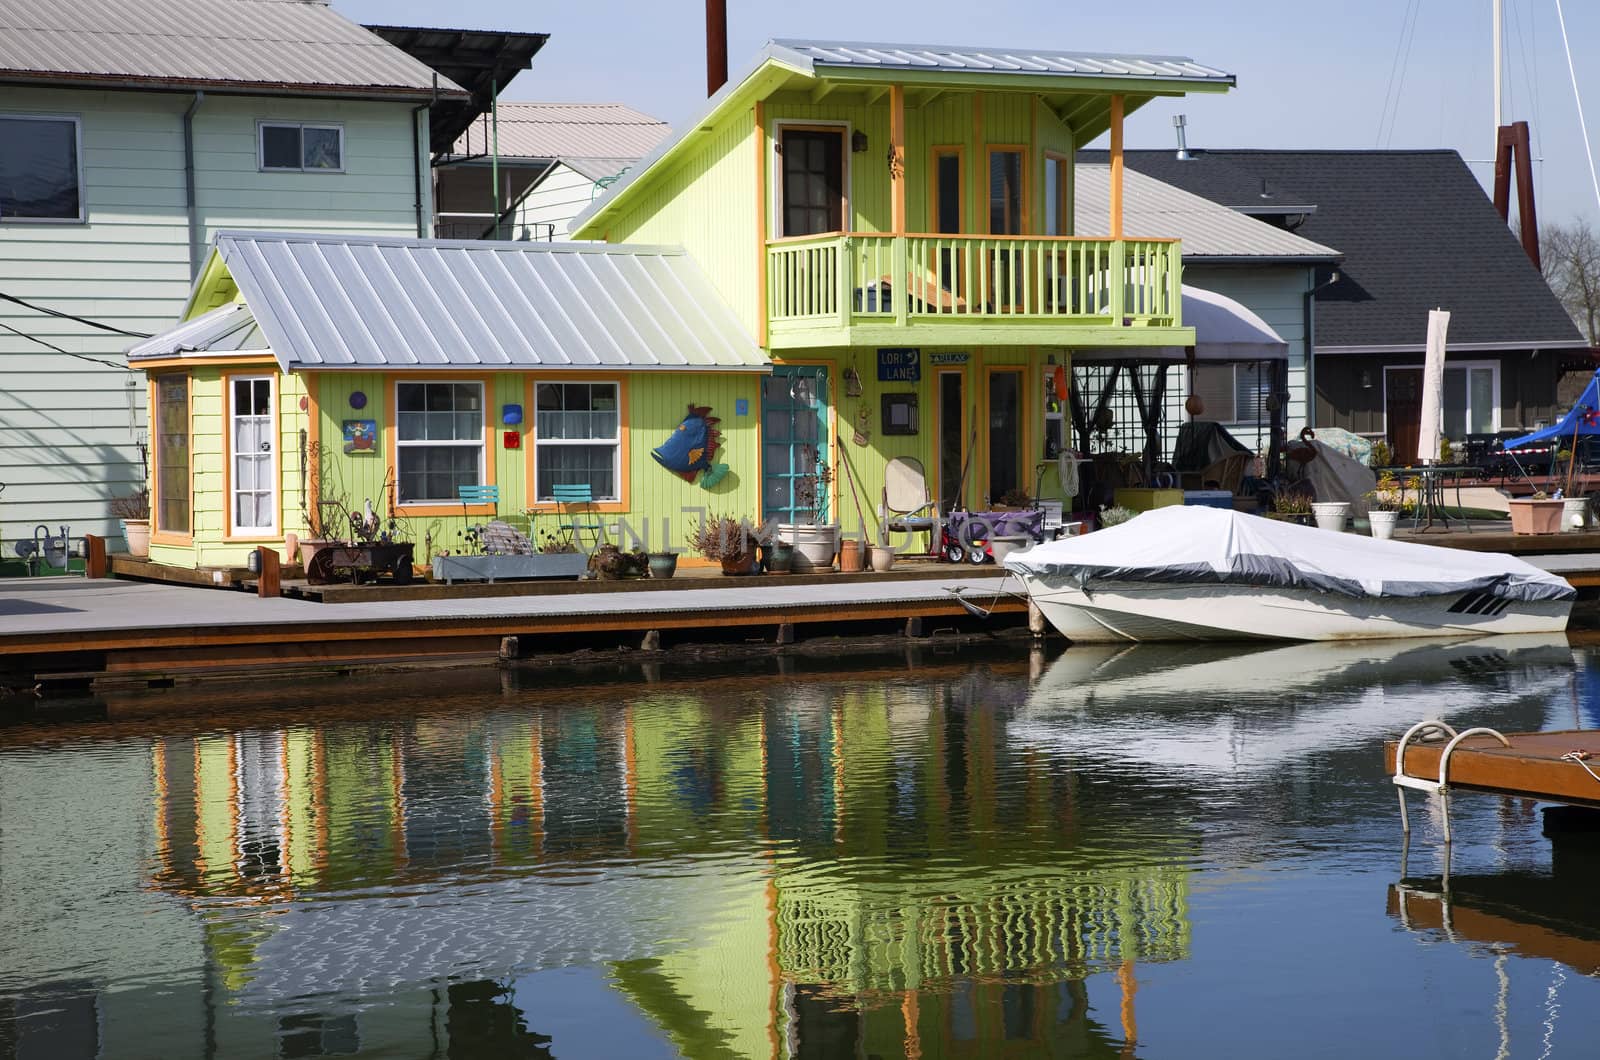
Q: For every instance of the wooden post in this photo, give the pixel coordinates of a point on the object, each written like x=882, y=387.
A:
x=1116, y=167
x=762, y=308
x=897, y=160
x=95, y=565
x=267, y=582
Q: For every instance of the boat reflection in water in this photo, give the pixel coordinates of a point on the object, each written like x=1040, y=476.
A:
x=1208, y=708
x=729, y=868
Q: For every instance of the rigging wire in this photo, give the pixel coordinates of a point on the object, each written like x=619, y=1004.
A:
x=1405, y=64
x=68, y=316
x=1388, y=92
x=1583, y=125
x=58, y=349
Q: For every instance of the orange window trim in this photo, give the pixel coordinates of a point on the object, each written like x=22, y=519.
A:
x=531, y=439
x=935, y=153
x=228, y=533
x=391, y=434
x=158, y=536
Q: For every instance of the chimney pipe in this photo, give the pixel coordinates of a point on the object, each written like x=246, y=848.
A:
x=1178, y=122
x=716, y=45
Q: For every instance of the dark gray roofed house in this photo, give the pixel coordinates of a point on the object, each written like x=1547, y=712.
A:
x=1417, y=232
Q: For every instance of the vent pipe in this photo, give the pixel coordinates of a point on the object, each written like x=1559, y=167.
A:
x=1178, y=123
x=716, y=45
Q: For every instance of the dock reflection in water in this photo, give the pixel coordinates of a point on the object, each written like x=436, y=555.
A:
x=1002, y=855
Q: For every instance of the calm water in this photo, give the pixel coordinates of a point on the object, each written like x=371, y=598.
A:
x=1139, y=852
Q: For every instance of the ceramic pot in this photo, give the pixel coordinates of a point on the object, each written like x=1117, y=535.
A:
x=1383, y=523
x=777, y=558
x=137, y=533
x=663, y=564
x=1574, y=513
x=743, y=563
x=850, y=556
x=1331, y=514
x=882, y=557
x=814, y=546
x=1530, y=516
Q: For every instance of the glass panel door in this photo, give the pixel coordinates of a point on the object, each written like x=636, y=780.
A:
x=255, y=487
x=813, y=181
x=794, y=433
x=1005, y=433
x=952, y=440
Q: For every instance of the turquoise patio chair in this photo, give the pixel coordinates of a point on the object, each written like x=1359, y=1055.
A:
x=571, y=501
x=469, y=495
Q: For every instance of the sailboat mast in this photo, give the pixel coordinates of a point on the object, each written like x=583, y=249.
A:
x=1499, y=30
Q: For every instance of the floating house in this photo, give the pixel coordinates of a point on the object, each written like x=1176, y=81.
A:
x=857, y=254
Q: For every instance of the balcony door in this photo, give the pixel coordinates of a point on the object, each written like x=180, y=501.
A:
x=1005, y=434
x=812, y=162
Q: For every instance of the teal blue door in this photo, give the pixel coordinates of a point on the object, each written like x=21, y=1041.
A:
x=794, y=444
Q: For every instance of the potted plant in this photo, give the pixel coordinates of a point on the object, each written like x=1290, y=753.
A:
x=730, y=541
x=777, y=555
x=1538, y=514
x=1115, y=515
x=1330, y=515
x=663, y=564
x=1291, y=506
x=815, y=542
x=134, y=513
x=1383, y=506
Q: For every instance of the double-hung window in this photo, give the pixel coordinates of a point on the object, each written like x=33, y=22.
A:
x=301, y=148
x=41, y=168
x=1235, y=393
x=577, y=438
x=172, y=454
x=439, y=440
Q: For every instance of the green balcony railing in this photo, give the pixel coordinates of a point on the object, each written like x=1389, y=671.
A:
x=851, y=278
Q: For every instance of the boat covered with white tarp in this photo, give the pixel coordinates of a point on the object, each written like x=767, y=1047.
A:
x=1197, y=573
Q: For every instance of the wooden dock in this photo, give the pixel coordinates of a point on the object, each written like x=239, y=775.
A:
x=1535, y=765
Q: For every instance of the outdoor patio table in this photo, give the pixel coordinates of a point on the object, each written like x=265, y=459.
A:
x=1433, y=481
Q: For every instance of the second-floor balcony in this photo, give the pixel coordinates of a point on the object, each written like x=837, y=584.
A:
x=869, y=288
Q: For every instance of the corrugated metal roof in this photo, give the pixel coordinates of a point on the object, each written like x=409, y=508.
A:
x=288, y=45
x=357, y=302
x=226, y=329
x=568, y=131
x=1207, y=229
x=1044, y=61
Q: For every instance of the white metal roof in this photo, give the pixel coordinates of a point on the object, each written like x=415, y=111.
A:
x=227, y=329
x=365, y=302
x=568, y=131
x=281, y=45
x=1207, y=229
x=1045, y=61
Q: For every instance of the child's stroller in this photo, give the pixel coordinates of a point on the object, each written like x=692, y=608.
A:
x=964, y=536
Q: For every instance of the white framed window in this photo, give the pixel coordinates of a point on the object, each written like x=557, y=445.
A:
x=300, y=147
x=41, y=168
x=438, y=440
x=577, y=438
x=1235, y=393
x=1471, y=396
x=253, y=455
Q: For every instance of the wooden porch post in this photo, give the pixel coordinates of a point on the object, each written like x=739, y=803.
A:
x=761, y=227
x=897, y=157
x=1116, y=167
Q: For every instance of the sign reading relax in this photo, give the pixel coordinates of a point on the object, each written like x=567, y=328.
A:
x=899, y=364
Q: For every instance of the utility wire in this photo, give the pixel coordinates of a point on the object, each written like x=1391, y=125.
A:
x=1583, y=125
x=68, y=316
x=58, y=349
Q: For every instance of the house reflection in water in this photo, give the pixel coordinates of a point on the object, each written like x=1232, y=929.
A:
x=804, y=868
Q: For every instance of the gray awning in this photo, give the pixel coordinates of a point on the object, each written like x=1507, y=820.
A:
x=1225, y=330
x=343, y=302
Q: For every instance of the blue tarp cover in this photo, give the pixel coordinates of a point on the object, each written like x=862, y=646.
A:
x=1583, y=419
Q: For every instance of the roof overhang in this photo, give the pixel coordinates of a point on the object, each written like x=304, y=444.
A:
x=1081, y=101
x=57, y=79
x=481, y=61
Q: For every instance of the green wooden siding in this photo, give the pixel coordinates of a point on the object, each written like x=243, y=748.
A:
x=69, y=427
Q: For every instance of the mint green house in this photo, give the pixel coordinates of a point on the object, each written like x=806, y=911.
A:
x=121, y=158
x=859, y=256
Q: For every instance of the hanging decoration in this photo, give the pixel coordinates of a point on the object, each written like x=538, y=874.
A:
x=852, y=382
x=692, y=447
x=863, y=431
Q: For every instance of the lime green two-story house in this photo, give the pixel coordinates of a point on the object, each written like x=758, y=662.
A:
x=857, y=255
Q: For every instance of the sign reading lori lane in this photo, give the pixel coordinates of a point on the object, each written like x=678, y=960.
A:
x=899, y=364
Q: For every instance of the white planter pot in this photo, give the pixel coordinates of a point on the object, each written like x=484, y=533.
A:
x=136, y=532
x=1574, y=513
x=1331, y=514
x=1004, y=545
x=1383, y=523
x=814, y=546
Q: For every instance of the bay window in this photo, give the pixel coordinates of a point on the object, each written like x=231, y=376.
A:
x=438, y=440
x=577, y=438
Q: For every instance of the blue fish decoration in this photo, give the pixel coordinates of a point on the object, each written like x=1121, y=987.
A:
x=693, y=446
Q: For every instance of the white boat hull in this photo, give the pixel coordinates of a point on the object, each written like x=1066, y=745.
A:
x=1119, y=612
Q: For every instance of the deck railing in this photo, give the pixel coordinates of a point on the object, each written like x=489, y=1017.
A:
x=845, y=278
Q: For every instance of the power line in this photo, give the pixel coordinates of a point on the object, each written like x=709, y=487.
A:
x=58, y=349
x=68, y=316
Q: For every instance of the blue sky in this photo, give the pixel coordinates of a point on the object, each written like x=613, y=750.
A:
x=1310, y=74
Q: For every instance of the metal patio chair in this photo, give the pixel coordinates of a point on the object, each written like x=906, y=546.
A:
x=575, y=513
x=908, y=507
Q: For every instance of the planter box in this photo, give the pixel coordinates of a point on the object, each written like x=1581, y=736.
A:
x=1140, y=499
x=492, y=568
x=1529, y=516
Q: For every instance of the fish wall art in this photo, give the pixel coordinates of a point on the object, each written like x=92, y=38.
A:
x=692, y=447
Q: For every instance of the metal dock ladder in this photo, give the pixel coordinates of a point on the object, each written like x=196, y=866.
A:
x=1432, y=729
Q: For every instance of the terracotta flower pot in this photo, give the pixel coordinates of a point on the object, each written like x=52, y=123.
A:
x=308, y=548
x=1536, y=516
x=743, y=563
